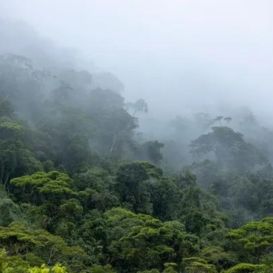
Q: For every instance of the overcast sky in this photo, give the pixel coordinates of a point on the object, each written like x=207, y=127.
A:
x=180, y=54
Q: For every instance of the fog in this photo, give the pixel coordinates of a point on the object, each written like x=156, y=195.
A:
x=179, y=56
x=197, y=64
x=136, y=136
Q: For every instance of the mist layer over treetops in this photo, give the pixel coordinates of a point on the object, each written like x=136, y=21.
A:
x=136, y=136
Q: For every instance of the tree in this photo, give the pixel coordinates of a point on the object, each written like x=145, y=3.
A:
x=198, y=265
x=102, y=269
x=254, y=239
x=139, y=242
x=10, y=264
x=218, y=256
x=133, y=183
x=20, y=240
x=50, y=201
x=249, y=268
x=198, y=209
x=40, y=187
x=45, y=269
x=152, y=151
x=138, y=106
x=228, y=149
x=9, y=211
x=6, y=109
x=15, y=156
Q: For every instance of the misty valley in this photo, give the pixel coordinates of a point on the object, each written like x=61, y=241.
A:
x=90, y=182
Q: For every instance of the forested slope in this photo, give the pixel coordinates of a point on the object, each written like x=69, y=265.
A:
x=82, y=192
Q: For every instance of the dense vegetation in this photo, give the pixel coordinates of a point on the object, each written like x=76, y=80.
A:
x=81, y=191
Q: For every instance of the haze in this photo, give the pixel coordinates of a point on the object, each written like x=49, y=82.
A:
x=177, y=55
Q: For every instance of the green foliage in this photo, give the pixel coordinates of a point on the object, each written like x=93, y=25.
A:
x=75, y=197
x=15, y=157
x=12, y=264
x=9, y=211
x=96, y=189
x=198, y=209
x=218, y=256
x=18, y=239
x=151, y=150
x=139, y=242
x=149, y=271
x=246, y=268
x=44, y=269
x=15, y=264
x=6, y=109
x=198, y=265
x=229, y=149
x=133, y=183
x=254, y=239
x=39, y=187
x=101, y=269
x=67, y=139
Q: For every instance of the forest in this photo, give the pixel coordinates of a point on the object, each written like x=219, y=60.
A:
x=83, y=191
x=93, y=180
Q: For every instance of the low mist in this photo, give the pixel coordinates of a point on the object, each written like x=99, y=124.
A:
x=180, y=56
